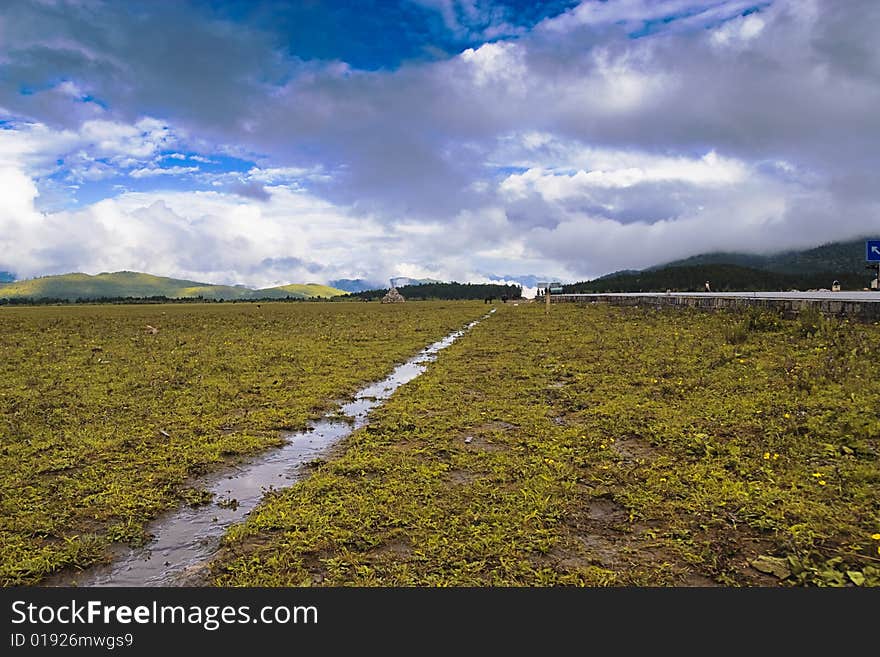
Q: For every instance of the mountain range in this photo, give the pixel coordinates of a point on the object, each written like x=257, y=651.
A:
x=363, y=285
x=835, y=257
x=814, y=268
x=127, y=284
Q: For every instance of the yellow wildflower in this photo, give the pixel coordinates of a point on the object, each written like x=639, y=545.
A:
x=876, y=537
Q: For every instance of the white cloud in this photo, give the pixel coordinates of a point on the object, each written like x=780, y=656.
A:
x=547, y=153
x=97, y=149
x=737, y=33
x=497, y=63
x=35, y=146
x=633, y=14
x=139, y=141
x=216, y=237
x=159, y=171
x=284, y=174
x=552, y=185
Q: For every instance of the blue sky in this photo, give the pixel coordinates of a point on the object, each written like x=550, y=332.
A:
x=378, y=34
x=266, y=142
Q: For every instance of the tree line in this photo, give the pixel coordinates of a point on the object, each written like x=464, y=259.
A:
x=721, y=278
x=57, y=301
x=445, y=291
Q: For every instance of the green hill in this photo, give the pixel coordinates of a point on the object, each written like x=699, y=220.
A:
x=837, y=257
x=814, y=268
x=127, y=284
x=298, y=291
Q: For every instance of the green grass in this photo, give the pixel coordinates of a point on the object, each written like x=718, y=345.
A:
x=598, y=446
x=103, y=423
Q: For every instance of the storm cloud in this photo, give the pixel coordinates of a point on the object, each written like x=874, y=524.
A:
x=589, y=138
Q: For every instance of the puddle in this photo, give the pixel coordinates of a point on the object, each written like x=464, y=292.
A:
x=188, y=538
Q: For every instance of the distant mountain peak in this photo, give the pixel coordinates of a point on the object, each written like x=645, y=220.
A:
x=353, y=284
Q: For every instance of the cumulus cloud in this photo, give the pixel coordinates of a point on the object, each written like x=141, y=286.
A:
x=291, y=236
x=708, y=171
x=685, y=125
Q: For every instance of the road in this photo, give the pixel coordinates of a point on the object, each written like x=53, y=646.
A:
x=860, y=296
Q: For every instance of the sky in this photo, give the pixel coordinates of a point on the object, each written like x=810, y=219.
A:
x=263, y=143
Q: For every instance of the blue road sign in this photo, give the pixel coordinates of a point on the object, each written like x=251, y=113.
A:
x=872, y=250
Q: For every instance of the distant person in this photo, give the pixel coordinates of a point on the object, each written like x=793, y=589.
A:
x=708, y=289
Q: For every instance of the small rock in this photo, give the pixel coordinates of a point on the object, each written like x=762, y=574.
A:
x=776, y=566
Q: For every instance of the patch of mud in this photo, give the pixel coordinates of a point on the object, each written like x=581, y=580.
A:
x=605, y=510
x=488, y=437
x=393, y=550
x=599, y=534
x=597, y=526
x=496, y=425
x=478, y=443
x=732, y=551
x=461, y=477
x=632, y=447
x=694, y=580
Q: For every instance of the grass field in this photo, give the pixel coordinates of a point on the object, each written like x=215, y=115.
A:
x=599, y=446
x=103, y=421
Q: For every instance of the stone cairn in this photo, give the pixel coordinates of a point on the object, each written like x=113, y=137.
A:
x=393, y=296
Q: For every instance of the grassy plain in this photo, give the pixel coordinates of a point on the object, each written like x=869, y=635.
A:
x=599, y=446
x=103, y=421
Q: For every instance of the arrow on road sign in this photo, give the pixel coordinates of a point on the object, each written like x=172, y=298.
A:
x=874, y=249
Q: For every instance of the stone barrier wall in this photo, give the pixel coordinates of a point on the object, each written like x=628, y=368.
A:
x=866, y=311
